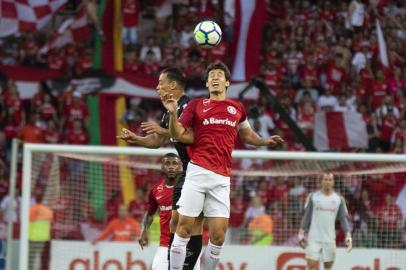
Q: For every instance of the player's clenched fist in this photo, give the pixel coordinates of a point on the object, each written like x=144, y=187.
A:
x=348, y=242
x=169, y=102
x=144, y=239
x=302, y=240
x=275, y=141
x=127, y=136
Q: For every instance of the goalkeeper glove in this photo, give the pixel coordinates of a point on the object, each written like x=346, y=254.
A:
x=302, y=240
x=348, y=242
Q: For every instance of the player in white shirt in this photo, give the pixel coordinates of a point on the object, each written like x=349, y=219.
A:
x=322, y=208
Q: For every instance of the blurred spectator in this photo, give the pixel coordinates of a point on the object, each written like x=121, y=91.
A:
x=41, y=219
x=131, y=9
x=77, y=110
x=365, y=236
x=327, y=101
x=260, y=229
x=148, y=48
x=236, y=217
x=77, y=135
x=52, y=134
x=356, y=15
x=255, y=209
x=131, y=62
x=31, y=132
x=3, y=238
x=342, y=105
x=121, y=229
x=138, y=206
x=390, y=222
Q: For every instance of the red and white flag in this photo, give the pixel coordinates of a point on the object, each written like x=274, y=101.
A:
x=334, y=130
x=249, y=21
x=73, y=29
x=383, y=53
x=26, y=15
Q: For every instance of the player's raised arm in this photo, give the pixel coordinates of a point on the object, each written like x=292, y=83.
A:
x=251, y=137
x=345, y=226
x=154, y=140
x=176, y=130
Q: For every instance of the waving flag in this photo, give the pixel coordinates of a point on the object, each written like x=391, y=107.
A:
x=73, y=29
x=383, y=53
x=26, y=15
x=334, y=130
x=250, y=19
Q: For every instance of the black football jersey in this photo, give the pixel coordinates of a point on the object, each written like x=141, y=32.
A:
x=180, y=147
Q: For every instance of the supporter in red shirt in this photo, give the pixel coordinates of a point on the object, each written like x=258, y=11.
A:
x=131, y=62
x=78, y=135
x=151, y=66
x=78, y=110
x=30, y=132
x=390, y=223
x=379, y=89
x=55, y=60
x=138, y=206
x=336, y=75
x=388, y=125
x=52, y=134
x=84, y=63
x=308, y=72
x=239, y=206
x=47, y=110
x=131, y=9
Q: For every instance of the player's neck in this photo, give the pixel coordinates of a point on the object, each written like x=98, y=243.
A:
x=327, y=192
x=178, y=95
x=169, y=182
x=218, y=96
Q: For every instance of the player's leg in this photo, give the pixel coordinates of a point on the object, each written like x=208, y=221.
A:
x=194, y=246
x=313, y=251
x=160, y=259
x=190, y=205
x=217, y=212
x=329, y=255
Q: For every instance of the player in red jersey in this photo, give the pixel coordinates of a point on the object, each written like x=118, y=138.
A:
x=215, y=123
x=160, y=197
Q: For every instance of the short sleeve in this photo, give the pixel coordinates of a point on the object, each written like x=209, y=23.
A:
x=152, y=203
x=186, y=118
x=243, y=113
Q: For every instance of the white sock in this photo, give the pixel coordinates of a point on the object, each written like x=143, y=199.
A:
x=211, y=257
x=178, y=252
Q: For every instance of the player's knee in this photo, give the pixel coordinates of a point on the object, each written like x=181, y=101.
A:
x=217, y=237
x=174, y=221
x=184, y=228
x=312, y=265
x=328, y=265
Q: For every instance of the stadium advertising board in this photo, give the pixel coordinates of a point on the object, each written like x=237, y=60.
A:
x=69, y=255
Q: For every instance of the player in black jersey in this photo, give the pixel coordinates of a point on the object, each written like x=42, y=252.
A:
x=171, y=81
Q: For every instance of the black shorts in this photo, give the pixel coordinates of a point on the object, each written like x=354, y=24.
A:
x=177, y=190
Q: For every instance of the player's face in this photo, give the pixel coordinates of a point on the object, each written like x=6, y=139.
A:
x=164, y=84
x=327, y=183
x=217, y=82
x=122, y=211
x=171, y=166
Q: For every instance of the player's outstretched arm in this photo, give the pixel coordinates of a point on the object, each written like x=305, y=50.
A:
x=150, y=141
x=251, y=137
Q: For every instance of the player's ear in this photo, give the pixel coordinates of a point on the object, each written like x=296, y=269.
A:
x=227, y=83
x=172, y=85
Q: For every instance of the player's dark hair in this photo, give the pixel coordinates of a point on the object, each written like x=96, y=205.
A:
x=169, y=155
x=218, y=65
x=174, y=74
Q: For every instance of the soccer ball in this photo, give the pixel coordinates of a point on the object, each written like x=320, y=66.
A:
x=207, y=34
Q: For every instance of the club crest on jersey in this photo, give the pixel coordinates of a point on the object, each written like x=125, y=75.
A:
x=231, y=110
x=206, y=101
x=160, y=188
x=215, y=121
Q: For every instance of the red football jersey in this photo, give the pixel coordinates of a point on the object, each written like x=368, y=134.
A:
x=215, y=127
x=160, y=197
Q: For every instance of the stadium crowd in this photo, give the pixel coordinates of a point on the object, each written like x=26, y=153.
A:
x=316, y=56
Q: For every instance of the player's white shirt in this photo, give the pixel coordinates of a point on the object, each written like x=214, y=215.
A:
x=324, y=214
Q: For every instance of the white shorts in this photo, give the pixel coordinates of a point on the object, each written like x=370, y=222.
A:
x=318, y=250
x=160, y=259
x=204, y=191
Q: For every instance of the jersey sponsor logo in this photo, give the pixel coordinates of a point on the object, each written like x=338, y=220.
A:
x=215, y=121
x=160, y=188
x=231, y=110
x=319, y=208
x=206, y=110
x=165, y=208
